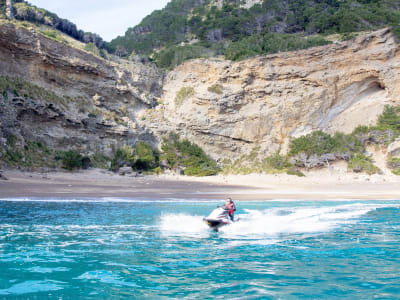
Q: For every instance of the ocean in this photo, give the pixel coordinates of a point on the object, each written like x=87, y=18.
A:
x=148, y=249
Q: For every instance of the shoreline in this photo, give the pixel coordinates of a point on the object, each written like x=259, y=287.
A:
x=317, y=185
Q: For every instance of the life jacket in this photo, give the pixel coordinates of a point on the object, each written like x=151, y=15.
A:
x=231, y=208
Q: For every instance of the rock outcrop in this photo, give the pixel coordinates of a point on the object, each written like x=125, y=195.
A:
x=233, y=107
x=71, y=99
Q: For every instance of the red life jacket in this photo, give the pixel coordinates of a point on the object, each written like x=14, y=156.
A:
x=231, y=208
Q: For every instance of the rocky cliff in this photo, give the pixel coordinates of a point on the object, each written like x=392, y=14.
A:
x=231, y=108
x=68, y=98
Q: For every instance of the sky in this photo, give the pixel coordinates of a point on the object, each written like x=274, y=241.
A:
x=108, y=18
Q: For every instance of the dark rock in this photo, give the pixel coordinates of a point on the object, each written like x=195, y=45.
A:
x=2, y=176
x=164, y=164
x=86, y=163
x=125, y=171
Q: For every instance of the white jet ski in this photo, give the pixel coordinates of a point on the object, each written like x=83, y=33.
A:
x=218, y=217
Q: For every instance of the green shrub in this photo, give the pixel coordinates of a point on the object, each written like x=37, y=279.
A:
x=182, y=153
x=142, y=157
x=90, y=47
x=216, y=89
x=14, y=157
x=183, y=94
x=172, y=56
x=123, y=156
x=361, y=163
x=316, y=142
x=319, y=143
x=390, y=118
x=71, y=159
x=100, y=161
x=270, y=43
x=52, y=34
x=277, y=162
x=147, y=158
x=295, y=172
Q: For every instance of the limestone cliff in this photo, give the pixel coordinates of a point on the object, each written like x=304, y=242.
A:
x=71, y=99
x=230, y=108
x=68, y=98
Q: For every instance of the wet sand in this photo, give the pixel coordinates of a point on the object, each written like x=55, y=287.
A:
x=102, y=184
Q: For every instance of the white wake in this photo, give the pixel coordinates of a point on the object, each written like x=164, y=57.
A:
x=273, y=223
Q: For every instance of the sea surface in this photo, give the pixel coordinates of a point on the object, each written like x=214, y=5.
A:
x=147, y=249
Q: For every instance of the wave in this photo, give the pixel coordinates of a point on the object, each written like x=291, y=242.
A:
x=273, y=223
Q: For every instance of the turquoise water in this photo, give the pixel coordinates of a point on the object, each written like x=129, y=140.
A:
x=115, y=248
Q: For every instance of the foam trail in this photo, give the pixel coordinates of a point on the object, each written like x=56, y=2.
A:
x=273, y=224
x=183, y=225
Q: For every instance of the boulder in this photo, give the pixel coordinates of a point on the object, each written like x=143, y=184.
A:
x=394, y=148
x=125, y=171
x=2, y=177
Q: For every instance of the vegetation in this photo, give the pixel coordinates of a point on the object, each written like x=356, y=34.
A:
x=70, y=159
x=24, y=11
x=270, y=43
x=142, y=157
x=319, y=143
x=187, y=29
x=255, y=163
x=53, y=34
x=351, y=146
x=30, y=154
x=216, y=89
x=361, y=163
x=170, y=57
x=190, y=157
x=183, y=94
x=91, y=47
x=100, y=161
x=394, y=164
x=20, y=87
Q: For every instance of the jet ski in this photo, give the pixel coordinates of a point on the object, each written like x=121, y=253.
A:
x=218, y=217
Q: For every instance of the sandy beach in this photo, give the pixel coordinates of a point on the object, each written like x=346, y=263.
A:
x=95, y=183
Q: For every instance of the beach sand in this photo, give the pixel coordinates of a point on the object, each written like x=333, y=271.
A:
x=328, y=183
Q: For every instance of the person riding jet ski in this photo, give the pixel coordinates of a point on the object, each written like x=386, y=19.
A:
x=221, y=216
x=230, y=207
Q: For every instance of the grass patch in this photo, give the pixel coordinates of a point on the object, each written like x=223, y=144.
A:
x=19, y=87
x=183, y=94
x=53, y=34
x=216, y=89
x=90, y=47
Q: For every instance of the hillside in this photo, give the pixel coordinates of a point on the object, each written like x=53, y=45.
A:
x=238, y=29
x=24, y=11
x=64, y=105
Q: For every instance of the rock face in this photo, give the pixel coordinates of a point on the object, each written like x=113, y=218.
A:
x=233, y=107
x=72, y=99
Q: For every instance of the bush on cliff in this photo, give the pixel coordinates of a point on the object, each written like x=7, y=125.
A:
x=72, y=160
x=361, y=163
x=141, y=157
x=183, y=154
